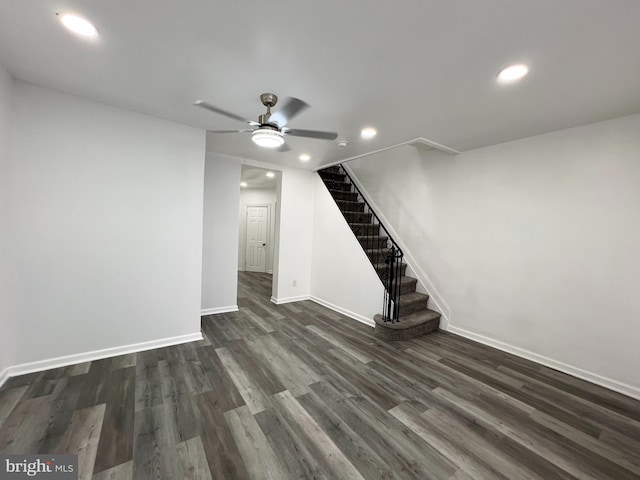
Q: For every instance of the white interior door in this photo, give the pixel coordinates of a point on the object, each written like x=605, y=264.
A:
x=257, y=234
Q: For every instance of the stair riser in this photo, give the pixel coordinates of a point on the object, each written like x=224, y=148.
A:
x=408, y=288
x=338, y=186
x=405, y=287
x=365, y=230
x=380, y=268
x=381, y=331
x=373, y=242
x=377, y=256
x=332, y=177
x=357, y=217
x=412, y=307
x=345, y=206
x=346, y=196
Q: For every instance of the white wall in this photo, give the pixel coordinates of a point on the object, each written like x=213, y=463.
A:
x=257, y=196
x=6, y=316
x=221, y=227
x=294, y=236
x=342, y=276
x=533, y=243
x=104, y=228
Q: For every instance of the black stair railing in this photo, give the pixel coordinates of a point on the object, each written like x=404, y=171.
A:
x=385, y=254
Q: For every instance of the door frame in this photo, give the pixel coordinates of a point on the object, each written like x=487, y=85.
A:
x=270, y=247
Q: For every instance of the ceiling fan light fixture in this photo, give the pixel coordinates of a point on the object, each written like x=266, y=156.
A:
x=267, y=137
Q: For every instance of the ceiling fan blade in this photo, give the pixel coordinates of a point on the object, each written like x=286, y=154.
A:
x=291, y=108
x=230, y=131
x=208, y=106
x=296, y=132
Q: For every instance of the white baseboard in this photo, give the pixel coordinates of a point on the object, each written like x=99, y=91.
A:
x=280, y=301
x=57, y=362
x=609, y=383
x=216, y=310
x=344, y=311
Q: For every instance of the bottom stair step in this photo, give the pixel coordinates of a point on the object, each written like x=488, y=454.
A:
x=410, y=326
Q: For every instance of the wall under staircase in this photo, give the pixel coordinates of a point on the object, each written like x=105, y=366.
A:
x=341, y=274
x=404, y=313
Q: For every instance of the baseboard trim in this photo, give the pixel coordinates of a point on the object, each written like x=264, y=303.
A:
x=280, y=301
x=606, y=382
x=216, y=310
x=344, y=311
x=67, y=360
x=4, y=376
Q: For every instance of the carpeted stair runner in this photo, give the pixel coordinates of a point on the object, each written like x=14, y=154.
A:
x=415, y=318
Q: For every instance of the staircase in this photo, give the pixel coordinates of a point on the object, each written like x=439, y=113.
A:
x=405, y=313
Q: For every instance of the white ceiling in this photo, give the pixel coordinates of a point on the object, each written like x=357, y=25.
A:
x=256, y=177
x=410, y=68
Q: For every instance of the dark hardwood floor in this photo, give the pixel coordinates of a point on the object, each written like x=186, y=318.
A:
x=299, y=391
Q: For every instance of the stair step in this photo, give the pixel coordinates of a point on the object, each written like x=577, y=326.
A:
x=377, y=254
x=337, y=186
x=412, y=302
x=347, y=206
x=342, y=195
x=333, y=169
x=373, y=241
x=365, y=229
x=411, y=326
x=334, y=177
x=408, y=285
x=357, y=217
x=381, y=267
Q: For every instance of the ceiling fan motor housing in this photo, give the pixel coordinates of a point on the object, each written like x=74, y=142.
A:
x=268, y=99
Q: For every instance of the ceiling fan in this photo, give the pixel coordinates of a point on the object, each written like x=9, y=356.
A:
x=271, y=127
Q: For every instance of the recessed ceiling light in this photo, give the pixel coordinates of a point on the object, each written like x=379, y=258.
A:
x=78, y=25
x=513, y=73
x=305, y=157
x=243, y=184
x=271, y=174
x=368, y=132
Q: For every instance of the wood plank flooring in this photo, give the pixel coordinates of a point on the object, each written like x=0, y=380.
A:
x=299, y=391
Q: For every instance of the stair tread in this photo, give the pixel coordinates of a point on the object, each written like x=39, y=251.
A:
x=405, y=280
x=409, y=298
x=372, y=250
x=381, y=264
x=410, y=321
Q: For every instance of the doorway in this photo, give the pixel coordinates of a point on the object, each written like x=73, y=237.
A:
x=257, y=237
x=258, y=224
